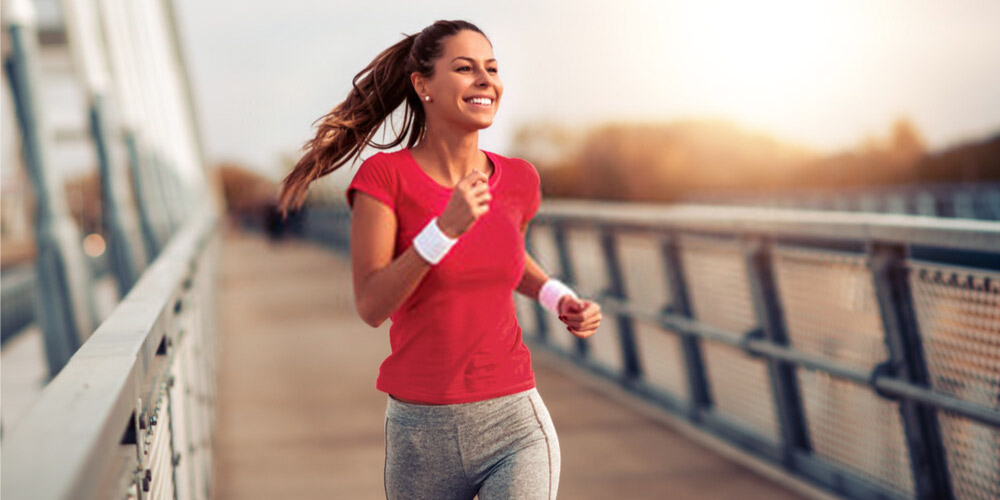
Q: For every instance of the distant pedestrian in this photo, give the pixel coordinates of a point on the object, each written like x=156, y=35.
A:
x=437, y=245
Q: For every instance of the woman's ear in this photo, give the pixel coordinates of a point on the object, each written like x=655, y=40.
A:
x=419, y=84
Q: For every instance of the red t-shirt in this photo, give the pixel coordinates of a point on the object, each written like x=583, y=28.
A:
x=456, y=339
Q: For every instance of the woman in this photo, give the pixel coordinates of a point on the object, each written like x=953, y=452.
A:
x=437, y=245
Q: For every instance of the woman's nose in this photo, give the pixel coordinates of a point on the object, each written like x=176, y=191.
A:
x=482, y=79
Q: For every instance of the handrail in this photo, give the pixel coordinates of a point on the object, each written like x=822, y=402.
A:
x=963, y=234
x=67, y=444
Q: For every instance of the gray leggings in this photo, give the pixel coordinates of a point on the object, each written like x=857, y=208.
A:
x=501, y=448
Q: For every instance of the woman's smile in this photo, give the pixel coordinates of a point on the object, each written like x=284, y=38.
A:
x=483, y=102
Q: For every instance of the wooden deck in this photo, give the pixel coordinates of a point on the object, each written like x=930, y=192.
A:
x=299, y=415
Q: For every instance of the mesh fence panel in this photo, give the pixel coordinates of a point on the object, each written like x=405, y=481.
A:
x=662, y=359
x=592, y=278
x=958, y=317
x=588, y=260
x=973, y=453
x=641, y=260
x=831, y=310
x=830, y=306
x=854, y=428
x=716, y=275
x=717, y=283
x=660, y=354
x=740, y=388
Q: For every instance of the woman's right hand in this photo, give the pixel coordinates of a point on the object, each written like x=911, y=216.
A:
x=469, y=201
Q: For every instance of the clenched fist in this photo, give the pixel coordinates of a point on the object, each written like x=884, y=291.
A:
x=469, y=201
x=582, y=317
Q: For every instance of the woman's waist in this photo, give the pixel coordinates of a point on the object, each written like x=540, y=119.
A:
x=415, y=412
x=412, y=402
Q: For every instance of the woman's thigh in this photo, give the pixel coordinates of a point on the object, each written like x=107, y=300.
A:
x=530, y=472
x=503, y=448
x=423, y=463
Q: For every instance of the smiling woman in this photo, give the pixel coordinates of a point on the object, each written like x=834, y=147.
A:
x=465, y=92
x=437, y=246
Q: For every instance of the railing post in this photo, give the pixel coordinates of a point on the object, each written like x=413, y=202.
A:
x=616, y=288
x=681, y=306
x=154, y=235
x=764, y=293
x=930, y=471
x=65, y=311
x=126, y=255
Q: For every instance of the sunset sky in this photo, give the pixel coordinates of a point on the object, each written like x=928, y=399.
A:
x=820, y=75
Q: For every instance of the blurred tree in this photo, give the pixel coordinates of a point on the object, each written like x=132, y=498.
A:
x=906, y=140
x=246, y=191
x=668, y=161
x=547, y=143
x=971, y=162
x=655, y=161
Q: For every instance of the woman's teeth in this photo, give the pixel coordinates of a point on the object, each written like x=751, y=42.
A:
x=481, y=101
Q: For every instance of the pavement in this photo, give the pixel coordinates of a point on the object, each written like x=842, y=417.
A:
x=299, y=415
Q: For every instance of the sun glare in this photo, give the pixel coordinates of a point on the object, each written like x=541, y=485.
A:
x=773, y=64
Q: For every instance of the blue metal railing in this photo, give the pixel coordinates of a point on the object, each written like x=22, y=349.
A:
x=18, y=303
x=855, y=351
x=978, y=200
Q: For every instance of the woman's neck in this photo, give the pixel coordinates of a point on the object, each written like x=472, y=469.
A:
x=451, y=156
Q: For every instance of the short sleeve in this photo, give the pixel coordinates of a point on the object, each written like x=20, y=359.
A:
x=534, y=198
x=374, y=177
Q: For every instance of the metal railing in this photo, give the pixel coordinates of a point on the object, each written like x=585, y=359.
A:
x=857, y=351
x=131, y=415
x=18, y=303
x=977, y=200
x=124, y=58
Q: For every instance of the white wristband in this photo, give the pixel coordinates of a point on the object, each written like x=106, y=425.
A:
x=552, y=291
x=432, y=244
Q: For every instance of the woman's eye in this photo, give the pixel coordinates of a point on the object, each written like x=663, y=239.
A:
x=493, y=70
x=464, y=68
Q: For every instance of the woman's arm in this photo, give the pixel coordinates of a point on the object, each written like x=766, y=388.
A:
x=533, y=277
x=380, y=284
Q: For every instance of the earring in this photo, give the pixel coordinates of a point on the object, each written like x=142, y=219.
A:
x=427, y=98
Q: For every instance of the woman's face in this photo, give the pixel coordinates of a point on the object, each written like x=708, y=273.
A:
x=466, y=88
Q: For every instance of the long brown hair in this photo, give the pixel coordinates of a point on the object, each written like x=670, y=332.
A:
x=377, y=91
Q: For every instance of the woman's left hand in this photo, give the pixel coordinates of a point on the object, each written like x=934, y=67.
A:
x=582, y=317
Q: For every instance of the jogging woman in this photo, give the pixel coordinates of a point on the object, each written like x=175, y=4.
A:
x=437, y=245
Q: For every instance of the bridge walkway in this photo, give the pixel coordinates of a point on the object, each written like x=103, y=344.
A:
x=299, y=415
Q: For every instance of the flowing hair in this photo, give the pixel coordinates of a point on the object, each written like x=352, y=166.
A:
x=377, y=91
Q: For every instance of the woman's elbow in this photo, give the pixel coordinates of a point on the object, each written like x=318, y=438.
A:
x=374, y=322
x=367, y=315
